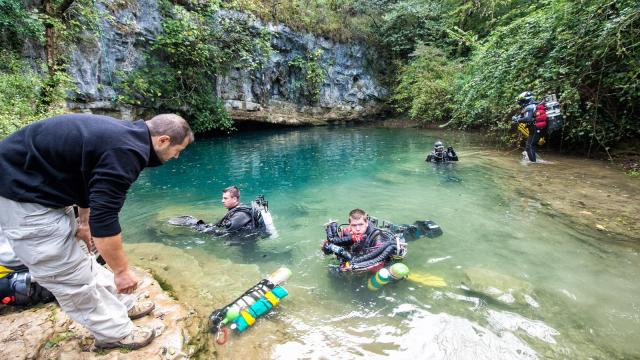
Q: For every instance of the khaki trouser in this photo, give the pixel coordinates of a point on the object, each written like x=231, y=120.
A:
x=44, y=240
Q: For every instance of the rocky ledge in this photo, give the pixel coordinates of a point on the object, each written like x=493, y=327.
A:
x=46, y=332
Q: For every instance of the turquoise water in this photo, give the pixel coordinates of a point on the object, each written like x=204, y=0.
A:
x=581, y=292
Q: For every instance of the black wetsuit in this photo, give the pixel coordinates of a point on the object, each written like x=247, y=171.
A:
x=236, y=219
x=375, y=248
x=444, y=156
x=237, y=223
x=527, y=117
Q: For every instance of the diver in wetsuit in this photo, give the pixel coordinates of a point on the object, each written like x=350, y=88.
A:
x=439, y=154
x=238, y=215
x=240, y=222
x=362, y=246
x=527, y=116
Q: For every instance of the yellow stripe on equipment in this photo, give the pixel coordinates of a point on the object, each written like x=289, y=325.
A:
x=4, y=271
x=426, y=279
x=525, y=131
x=247, y=317
x=272, y=298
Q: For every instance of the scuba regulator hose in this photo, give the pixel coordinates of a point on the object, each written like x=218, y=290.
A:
x=373, y=258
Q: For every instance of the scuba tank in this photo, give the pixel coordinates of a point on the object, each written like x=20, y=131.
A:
x=419, y=228
x=16, y=288
x=379, y=279
x=397, y=271
x=552, y=108
x=262, y=207
x=253, y=303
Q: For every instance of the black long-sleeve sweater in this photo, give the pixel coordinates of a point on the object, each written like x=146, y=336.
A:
x=81, y=159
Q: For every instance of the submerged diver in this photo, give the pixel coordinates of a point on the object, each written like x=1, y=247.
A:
x=535, y=120
x=362, y=246
x=241, y=221
x=440, y=155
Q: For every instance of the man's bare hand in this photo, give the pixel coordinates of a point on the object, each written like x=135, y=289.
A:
x=126, y=282
x=84, y=233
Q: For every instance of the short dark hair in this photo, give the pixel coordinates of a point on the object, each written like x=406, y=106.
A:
x=233, y=191
x=357, y=214
x=172, y=125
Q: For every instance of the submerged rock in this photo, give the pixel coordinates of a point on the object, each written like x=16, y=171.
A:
x=201, y=281
x=46, y=332
x=501, y=287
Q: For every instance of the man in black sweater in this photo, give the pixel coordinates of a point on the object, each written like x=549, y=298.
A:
x=89, y=161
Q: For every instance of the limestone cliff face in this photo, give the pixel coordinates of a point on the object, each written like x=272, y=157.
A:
x=349, y=90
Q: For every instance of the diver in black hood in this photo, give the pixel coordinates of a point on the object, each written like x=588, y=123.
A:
x=439, y=154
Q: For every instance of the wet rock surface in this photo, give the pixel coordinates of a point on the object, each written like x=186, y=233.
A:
x=594, y=195
x=504, y=288
x=46, y=332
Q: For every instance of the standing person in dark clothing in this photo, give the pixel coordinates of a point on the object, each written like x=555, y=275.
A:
x=89, y=161
x=528, y=117
x=440, y=155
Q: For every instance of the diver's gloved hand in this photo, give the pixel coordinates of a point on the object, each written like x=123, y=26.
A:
x=340, y=252
x=326, y=248
x=332, y=230
x=343, y=254
x=515, y=118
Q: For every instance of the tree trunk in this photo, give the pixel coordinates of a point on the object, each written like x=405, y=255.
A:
x=50, y=46
x=50, y=37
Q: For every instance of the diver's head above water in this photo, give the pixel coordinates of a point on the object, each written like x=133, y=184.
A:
x=438, y=147
x=358, y=221
x=230, y=197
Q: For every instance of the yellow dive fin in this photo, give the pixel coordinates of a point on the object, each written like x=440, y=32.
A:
x=525, y=131
x=427, y=279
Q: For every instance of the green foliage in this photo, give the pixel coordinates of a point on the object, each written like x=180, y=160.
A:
x=25, y=96
x=28, y=92
x=17, y=24
x=336, y=19
x=311, y=72
x=58, y=338
x=184, y=60
x=409, y=22
x=426, y=86
x=587, y=55
x=633, y=173
x=586, y=52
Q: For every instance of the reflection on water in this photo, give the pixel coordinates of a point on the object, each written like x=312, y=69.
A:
x=524, y=281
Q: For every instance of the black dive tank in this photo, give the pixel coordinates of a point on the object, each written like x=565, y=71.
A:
x=18, y=289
